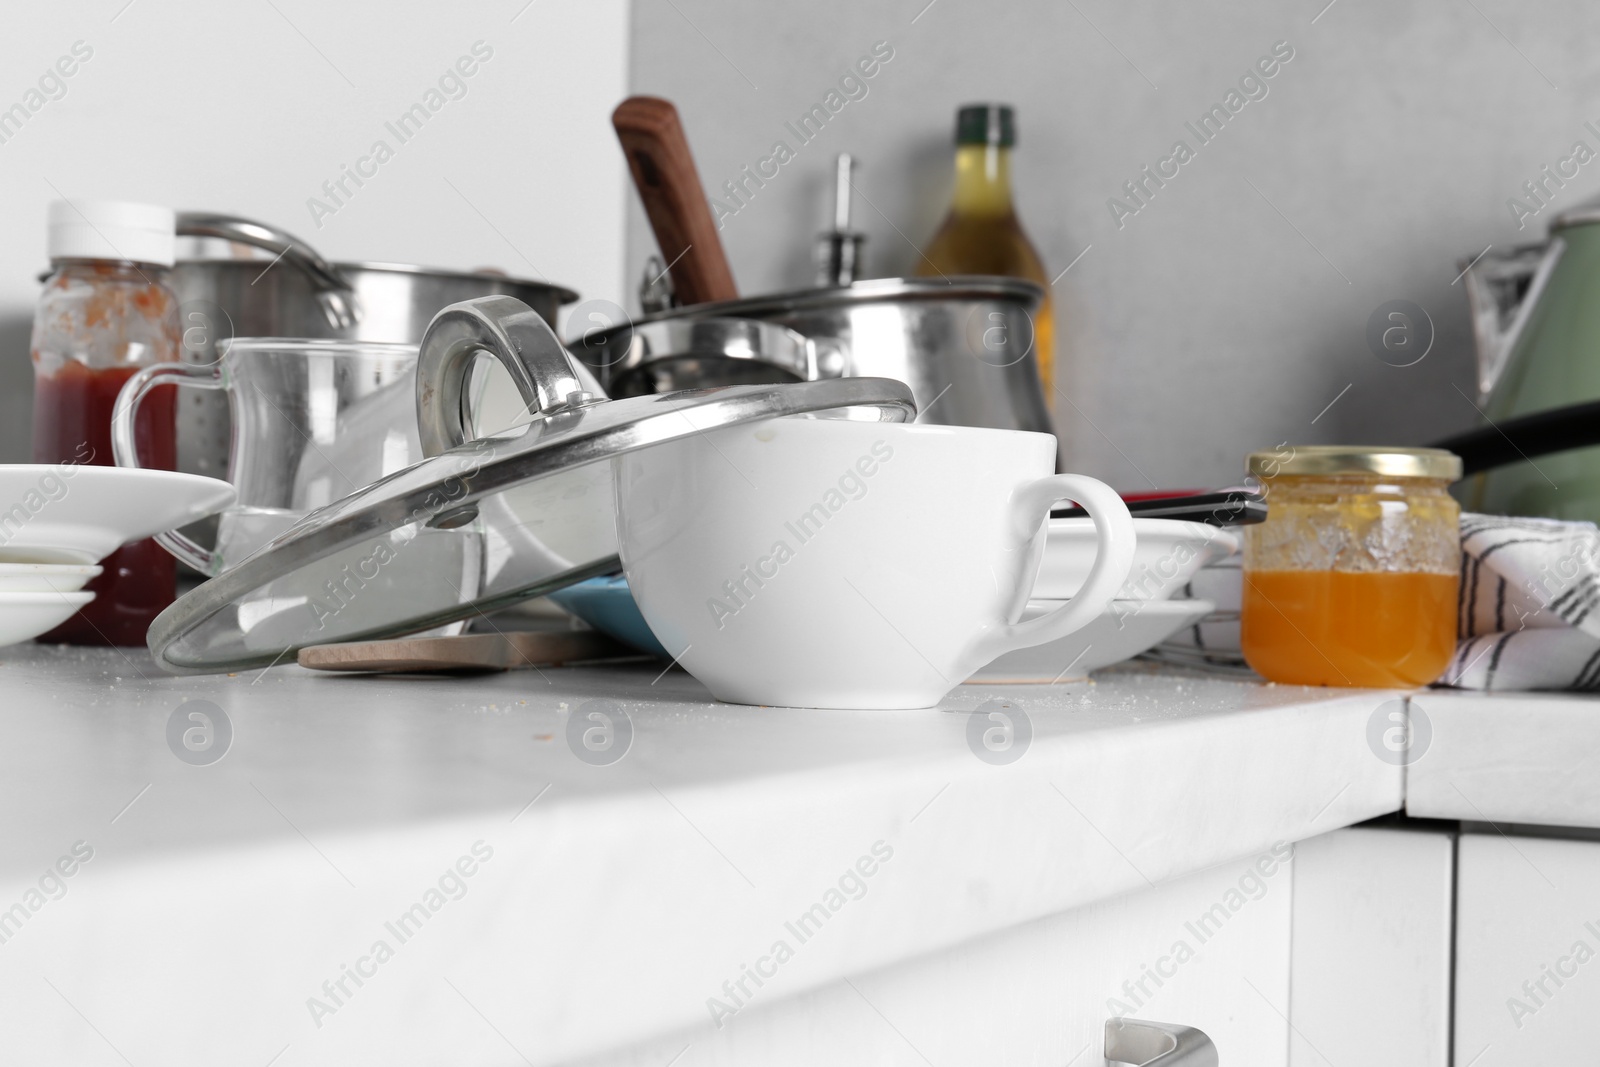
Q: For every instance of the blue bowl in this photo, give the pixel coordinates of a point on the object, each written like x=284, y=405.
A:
x=608, y=605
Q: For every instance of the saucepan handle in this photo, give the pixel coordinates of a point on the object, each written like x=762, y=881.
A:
x=125, y=444
x=514, y=334
x=1526, y=437
x=334, y=295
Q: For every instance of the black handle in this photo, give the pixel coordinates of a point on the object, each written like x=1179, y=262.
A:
x=1232, y=508
x=1525, y=437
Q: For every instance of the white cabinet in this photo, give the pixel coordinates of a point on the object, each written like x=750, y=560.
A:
x=1210, y=950
x=1370, y=975
x=1527, y=950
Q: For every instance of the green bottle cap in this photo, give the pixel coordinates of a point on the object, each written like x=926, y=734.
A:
x=986, y=124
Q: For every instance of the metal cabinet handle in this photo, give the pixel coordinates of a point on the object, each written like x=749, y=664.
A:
x=1152, y=1044
x=334, y=295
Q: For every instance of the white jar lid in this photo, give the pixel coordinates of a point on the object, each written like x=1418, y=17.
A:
x=112, y=229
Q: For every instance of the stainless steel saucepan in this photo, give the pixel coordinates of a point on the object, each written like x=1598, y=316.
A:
x=964, y=344
x=300, y=294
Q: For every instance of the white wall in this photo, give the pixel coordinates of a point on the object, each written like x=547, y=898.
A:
x=249, y=107
x=1223, y=317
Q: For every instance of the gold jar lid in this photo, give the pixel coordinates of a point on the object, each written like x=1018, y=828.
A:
x=1300, y=460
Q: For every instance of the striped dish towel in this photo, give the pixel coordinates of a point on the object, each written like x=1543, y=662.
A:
x=1529, y=607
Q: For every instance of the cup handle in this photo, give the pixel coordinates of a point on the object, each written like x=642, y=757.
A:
x=1114, y=539
x=125, y=448
x=512, y=333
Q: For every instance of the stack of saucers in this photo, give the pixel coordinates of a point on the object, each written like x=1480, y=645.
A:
x=37, y=597
x=58, y=521
x=1145, y=613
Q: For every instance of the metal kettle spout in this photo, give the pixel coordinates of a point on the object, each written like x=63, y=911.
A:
x=1502, y=291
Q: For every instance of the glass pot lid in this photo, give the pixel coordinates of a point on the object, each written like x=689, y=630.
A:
x=480, y=524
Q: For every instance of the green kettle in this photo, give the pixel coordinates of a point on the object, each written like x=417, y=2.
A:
x=1536, y=320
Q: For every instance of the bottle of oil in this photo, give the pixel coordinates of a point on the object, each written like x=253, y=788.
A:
x=982, y=235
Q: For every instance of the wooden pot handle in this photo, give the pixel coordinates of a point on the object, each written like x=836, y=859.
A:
x=675, y=201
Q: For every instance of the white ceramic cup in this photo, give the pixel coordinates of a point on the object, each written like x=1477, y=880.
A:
x=843, y=564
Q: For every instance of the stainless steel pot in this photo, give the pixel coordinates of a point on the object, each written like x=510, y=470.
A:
x=396, y=301
x=964, y=344
x=299, y=294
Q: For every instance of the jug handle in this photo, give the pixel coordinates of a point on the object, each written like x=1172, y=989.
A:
x=514, y=334
x=334, y=295
x=125, y=446
x=1115, y=539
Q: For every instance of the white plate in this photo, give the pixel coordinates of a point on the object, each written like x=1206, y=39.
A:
x=45, y=577
x=24, y=616
x=1127, y=628
x=75, y=513
x=1216, y=639
x=1168, y=554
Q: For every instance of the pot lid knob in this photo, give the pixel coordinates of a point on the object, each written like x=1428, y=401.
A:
x=513, y=333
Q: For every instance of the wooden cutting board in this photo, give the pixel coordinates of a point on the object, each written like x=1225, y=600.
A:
x=466, y=652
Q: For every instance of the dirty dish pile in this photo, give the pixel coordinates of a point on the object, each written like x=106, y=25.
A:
x=776, y=537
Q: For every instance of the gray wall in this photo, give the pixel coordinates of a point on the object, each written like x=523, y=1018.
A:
x=1231, y=310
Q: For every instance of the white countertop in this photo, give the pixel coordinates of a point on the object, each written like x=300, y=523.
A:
x=618, y=897
x=1504, y=758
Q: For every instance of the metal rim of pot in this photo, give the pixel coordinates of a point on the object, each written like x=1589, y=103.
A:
x=871, y=290
x=565, y=295
x=831, y=356
x=334, y=293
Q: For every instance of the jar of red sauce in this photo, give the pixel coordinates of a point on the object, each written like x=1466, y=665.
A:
x=1352, y=578
x=107, y=311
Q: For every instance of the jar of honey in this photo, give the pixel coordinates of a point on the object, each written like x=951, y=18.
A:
x=1352, y=579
